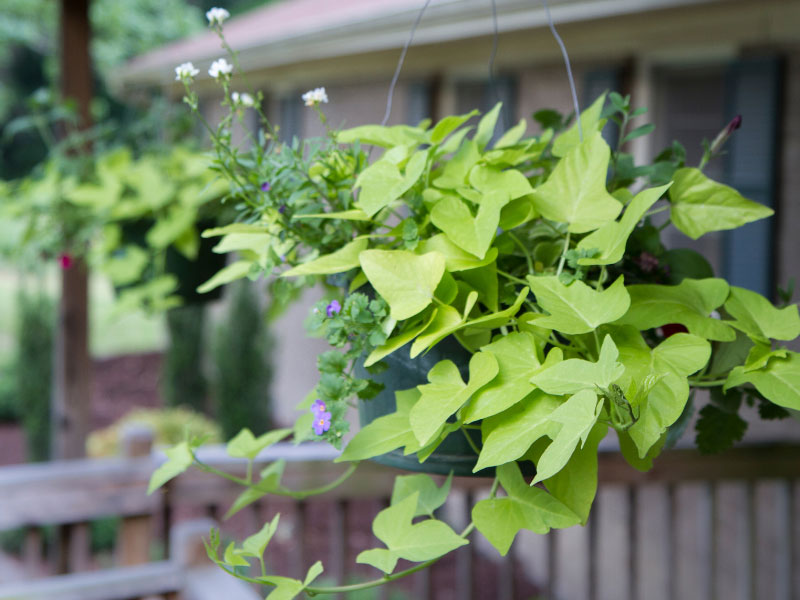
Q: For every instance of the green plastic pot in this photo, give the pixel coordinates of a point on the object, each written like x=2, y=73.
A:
x=454, y=454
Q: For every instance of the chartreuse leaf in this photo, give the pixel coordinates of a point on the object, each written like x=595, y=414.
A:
x=760, y=354
x=382, y=182
x=471, y=233
x=508, y=436
x=665, y=368
x=454, y=174
x=256, y=544
x=689, y=303
x=590, y=123
x=489, y=179
x=577, y=416
x=405, y=280
x=778, y=381
x=446, y=321
x=400, y=340
x=355, y=214
x=575, y=485
x=455, y=258
x=179, y=458
x=758, y=318
x=611, y=238
x=513, y=135
x=386, y=137
x=682, y=354
x=287, y=588
x=269, y=483
x=532, y=508
x=575, y=193
x=517, y=361
x=700, y=205
x=418, y=542
x=486, y=126
x=385, y=433
x=448, y=125
x=577, y=308
x=573, y=375
x=498, y=319
x=446, y=393
x=430, y=496
x=341, y=260
x=246, y=445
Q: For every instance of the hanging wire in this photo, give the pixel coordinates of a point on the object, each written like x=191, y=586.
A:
x=493, y=55
x=400, y=63
x=569, y=68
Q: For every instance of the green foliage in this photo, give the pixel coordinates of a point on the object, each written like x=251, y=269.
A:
x=517, y=251
x=10, y=410
x=33, y=367
x=416, y=542
x=184, y=382
x=242, y=359
x=169, y=426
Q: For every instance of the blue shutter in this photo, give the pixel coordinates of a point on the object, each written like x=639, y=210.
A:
x=596, y=82
x=753, y=91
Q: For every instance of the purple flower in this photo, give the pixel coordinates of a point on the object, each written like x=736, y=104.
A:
x=266, y=186
x=334, y=308
x=282, y=208
x=322, y=422
x=318, y=407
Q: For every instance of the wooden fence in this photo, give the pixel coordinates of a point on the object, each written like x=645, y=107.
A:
x=703, y=527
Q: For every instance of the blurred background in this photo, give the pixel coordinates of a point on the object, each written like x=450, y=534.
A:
x=227, y=360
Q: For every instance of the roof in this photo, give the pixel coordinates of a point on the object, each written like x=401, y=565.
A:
x=294, y=31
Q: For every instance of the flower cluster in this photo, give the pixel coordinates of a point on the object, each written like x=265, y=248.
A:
x=322, y=418
x=315, y=97
x=185, y=72
x=217, y=16
x=220, y=68
x=243, y=99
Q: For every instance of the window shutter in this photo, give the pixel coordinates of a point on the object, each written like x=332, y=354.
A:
x=753, y=91
x=597, y=81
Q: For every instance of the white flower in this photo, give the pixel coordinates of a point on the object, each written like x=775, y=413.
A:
x=314, y=97
x=243, y=99
x=216, y=16
x=185, y=71
x=220, y=68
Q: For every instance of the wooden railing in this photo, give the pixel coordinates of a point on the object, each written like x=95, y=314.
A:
x=695, y=526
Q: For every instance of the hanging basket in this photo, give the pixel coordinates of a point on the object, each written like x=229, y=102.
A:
x=454, y=454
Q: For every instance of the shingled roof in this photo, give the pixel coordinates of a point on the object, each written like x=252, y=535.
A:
x=294, y=31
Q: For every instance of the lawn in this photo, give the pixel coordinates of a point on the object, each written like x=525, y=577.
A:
x=111, y=334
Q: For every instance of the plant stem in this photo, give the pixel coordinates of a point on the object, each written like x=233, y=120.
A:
x=563, y=255
x=510, y=277
x=470, y=442
x=522, y=247
x=313, y=591
x=656, y=211
x=297, y=495
x=712, y=383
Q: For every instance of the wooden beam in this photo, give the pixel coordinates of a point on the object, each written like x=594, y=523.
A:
x=71, y=390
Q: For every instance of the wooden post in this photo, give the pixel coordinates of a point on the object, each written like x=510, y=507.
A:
x=136, y=532
x=70, y=403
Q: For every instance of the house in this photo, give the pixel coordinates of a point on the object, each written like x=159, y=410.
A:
x=694, y=63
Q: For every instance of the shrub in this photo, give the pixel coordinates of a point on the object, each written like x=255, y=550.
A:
x=183, y=380
x=35, y=318
x=170, y=426
x=243, y=370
